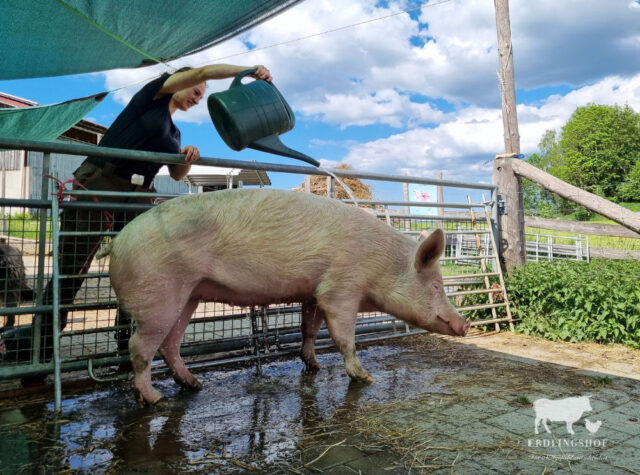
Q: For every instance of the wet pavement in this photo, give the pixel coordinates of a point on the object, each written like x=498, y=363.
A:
x=437, y=407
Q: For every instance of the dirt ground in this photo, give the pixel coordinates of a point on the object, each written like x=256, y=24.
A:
x=616, y=360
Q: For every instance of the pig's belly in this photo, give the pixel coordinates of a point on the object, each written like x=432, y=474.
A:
x=279, y=293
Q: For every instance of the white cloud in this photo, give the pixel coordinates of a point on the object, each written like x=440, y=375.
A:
x=385, y=106
x=460, y=147
x=371, y=74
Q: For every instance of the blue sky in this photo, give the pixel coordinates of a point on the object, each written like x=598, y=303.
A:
x=414, y=93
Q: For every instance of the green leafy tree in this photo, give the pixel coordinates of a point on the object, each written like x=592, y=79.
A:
x=598, y=150
x=537, y=200
x=630, y=191
x=600, y=146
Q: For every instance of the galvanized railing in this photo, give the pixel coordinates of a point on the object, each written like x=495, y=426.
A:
x=222, y=333
x=547, y=247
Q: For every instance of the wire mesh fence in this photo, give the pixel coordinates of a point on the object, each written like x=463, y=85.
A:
x=94, y=331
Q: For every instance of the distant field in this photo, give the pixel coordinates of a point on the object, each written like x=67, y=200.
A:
x=610, y=242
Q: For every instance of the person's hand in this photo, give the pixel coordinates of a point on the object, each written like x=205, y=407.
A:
x=191, y=154
x=262, y=73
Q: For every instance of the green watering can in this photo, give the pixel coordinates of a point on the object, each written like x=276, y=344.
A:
x=254, y=115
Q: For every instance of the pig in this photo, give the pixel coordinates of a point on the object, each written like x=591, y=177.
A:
x=258, y=247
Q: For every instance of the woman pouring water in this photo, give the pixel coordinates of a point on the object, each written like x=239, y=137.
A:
x=144, y=124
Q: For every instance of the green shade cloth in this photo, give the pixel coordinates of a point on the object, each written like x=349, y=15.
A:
x=45, y=122
x=56, y=37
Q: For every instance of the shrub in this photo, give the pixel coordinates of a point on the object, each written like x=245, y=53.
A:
x=578, y=301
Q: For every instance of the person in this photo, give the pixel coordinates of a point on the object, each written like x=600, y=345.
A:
x=144, y=124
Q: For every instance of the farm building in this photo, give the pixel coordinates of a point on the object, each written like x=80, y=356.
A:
x=21, y=170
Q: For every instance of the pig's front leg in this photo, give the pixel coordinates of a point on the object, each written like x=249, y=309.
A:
x=170, y=350
x=340, y=316
x=312, y=318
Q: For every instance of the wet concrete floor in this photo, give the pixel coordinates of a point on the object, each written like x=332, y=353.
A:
x=437, y=407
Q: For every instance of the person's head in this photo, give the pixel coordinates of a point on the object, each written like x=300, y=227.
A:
x=189, y=97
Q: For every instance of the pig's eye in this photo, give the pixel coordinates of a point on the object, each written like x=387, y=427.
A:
x=436, y=285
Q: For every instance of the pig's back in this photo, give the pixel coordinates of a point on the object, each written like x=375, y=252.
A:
x=279, y=230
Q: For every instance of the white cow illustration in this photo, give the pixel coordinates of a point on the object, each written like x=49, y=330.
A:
x=569, y=410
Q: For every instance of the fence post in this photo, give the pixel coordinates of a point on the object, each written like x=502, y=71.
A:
x=330, y=187
x=405, y=191
x=510, y=213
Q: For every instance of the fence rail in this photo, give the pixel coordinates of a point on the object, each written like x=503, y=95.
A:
x=548, y=247
x=218, y=330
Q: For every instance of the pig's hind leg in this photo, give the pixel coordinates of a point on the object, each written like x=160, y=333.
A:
x=170, y=349
x=312, y=318
x=341, y=317
x=153, y=323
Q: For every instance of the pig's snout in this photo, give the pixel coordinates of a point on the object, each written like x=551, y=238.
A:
x=463, y=327
x=455, y=325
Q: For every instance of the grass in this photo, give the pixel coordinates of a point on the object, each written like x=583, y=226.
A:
x=609, y=242
x=24, y=226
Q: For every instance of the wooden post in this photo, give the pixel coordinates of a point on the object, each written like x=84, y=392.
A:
x=440, y=195
x=511, y=215
x=506, y=77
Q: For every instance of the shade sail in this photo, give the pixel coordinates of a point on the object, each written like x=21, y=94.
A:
x=56, y=37
x=45, y=122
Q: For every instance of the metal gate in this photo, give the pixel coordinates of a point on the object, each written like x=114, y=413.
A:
x=218, y=333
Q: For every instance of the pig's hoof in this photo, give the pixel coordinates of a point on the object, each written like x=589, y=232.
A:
x=312, y=368
x=364, y=378
x=152, y=400
x=191, y=384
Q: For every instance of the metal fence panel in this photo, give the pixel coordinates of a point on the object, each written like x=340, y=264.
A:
x=89, y=338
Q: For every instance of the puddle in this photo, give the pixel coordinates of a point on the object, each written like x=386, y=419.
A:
x=437, y=406
x=238, y=421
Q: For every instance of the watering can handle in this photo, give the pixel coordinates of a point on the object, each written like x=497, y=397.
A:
x=237, y=81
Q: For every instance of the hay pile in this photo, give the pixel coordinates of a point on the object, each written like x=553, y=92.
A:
x=360, y=190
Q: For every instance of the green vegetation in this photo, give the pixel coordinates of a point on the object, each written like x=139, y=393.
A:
x=578, y=301
x=609, y=242
x=598, y=150
x=24, y=226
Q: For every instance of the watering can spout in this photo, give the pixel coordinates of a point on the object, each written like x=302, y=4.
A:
x=272, y=144
x=254, y=115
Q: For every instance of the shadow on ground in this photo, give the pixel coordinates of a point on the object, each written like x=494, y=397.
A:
x=437, y=406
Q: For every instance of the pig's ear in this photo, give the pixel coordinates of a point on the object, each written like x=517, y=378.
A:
x=429, y=249
x=423, y=235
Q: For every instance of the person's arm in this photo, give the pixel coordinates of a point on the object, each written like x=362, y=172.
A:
x=191, y=154
x=186, y=79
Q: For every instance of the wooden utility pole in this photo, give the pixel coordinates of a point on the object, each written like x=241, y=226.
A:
x=511, y=213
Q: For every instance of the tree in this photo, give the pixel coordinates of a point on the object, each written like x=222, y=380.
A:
x=537, y=200
x=598, y=149
x=600, y=146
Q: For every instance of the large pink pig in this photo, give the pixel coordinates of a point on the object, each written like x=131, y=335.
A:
x=260, y=247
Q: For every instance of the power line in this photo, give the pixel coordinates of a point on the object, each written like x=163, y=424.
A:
x=333, y=30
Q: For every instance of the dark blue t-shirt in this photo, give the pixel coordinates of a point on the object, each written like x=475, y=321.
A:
x=144, y=124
